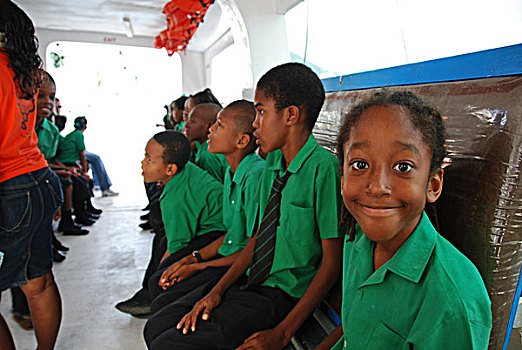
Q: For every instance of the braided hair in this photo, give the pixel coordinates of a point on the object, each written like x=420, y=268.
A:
x=20, y=43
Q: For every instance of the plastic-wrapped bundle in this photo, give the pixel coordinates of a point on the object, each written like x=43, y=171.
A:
x=480, y=210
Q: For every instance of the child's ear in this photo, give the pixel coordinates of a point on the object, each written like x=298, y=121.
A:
x=293, y=115
x=435, y=186
x=243, y=140
x=172, y=169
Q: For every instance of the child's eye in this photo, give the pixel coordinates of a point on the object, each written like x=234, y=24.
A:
x=359, y=165
x=219, y=124
x=149, y=160
x=260, y=111
x=403, y=167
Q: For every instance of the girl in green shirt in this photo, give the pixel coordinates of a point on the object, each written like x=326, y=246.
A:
x=404, y=285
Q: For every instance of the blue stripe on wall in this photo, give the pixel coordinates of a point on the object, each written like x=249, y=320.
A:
x=482, y=64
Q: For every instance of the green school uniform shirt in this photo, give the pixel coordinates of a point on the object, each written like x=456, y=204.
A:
x=179, y=127
x=48, y=138
x=191, y=205
x=427, y=296
x=215, y=164
x=310, y=208
x=239, y=204
x=71, y=146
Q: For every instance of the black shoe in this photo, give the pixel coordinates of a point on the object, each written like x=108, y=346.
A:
x=147, y=315
x=145, y=217
x=83, y=219
x=74, y=230
x=58, y=256
x=91, y=209
x=62, y=248
x=147, y=207
x=146, y=225
x=93, y=216
x=58, y=245
x=138, y=305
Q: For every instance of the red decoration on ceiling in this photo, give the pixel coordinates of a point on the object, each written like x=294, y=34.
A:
x=183, y=19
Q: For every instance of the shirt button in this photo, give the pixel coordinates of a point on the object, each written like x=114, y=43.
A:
x=230, y=242
x=345, y=343
x=233, y=202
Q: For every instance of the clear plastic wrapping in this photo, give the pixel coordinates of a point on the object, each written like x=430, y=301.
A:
x=480, y=210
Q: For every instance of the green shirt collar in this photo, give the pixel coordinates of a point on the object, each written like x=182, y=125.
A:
x=299, y=159
x=176, y=181
x=242, y=168
x=412, y=257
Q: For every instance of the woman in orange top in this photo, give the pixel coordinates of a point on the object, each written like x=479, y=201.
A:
x=29, y=192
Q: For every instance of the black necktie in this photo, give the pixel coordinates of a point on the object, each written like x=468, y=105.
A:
x=263, y=256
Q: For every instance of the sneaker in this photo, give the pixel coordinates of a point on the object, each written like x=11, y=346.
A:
x=109, y=193
x=138, y=305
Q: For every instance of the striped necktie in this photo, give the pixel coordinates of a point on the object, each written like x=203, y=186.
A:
x=263, y=256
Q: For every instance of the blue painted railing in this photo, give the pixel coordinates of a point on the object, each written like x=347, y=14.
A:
x=503, y=61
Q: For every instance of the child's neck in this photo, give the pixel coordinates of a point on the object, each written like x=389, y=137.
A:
x=293, y=145
x=235, y=158
x=385, y=250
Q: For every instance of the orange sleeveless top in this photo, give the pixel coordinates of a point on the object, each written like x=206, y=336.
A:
x=19, y=152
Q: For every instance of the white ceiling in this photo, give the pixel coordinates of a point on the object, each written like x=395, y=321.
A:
x=106, y=16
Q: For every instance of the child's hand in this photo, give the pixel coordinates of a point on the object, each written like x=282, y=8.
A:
x=270, y=339
x=207, y=304
x=168, y=277
x=185, y=272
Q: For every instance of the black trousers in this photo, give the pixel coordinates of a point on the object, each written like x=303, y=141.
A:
x=159, y=245
x=208, y=277
x=196, y=243
x=19, y=300
x=240, y=314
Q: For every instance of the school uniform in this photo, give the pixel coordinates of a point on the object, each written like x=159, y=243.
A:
x=48, y=138
x=215, y=164
x=179, y=127
x=239, y=215
x=309, y=211
x=71, y=146
x=191, y=205
x=427, y=296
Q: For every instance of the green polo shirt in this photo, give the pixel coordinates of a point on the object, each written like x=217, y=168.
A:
x=179, y=127
x=239, y=204
x=191, y=205
x=310, y=209
x=71, y=146
x=215, y=164
x=427, y=296
x=48, y=138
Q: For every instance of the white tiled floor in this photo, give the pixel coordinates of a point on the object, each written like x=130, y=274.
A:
x=102, y=268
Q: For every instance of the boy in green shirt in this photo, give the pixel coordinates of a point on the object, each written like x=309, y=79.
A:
x=191, y=202
x=197, y=127
x=231, y=135
x=295, y=255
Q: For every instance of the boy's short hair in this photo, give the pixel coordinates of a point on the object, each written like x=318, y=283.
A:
x=244, y=117
x=60, y=121
x=294, y=84
x=176, y=148
x=80, y=122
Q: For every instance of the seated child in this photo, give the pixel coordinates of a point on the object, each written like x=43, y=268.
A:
x=296, y=254
x=48, y=139
x=231, y=135
x=200, y=120
x=191, y=202
x=177, y=107
x=404, y=285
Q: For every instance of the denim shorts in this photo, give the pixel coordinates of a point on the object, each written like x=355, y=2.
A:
x=27, y=205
